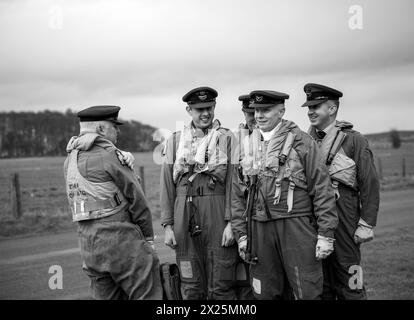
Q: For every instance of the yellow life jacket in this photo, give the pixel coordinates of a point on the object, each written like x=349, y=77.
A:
x=276, y=158
x=90, y=200
x=342, y=169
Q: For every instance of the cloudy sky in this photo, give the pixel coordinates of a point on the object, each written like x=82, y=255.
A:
x=145, y=55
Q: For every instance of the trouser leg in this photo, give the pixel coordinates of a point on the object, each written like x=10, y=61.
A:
x=345, y=261
x=119, y=259
x=207, y=268
x=243, y=289
x=329, y=290
x=267, y=275
x=297, y=239
x=103, y=287
x=221, y=273
x=190, y=254
x=345, y=265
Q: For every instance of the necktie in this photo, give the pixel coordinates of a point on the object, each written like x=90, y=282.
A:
x=320, y=134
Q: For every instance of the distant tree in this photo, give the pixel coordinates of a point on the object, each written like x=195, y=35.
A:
x=395, y=139
x=46, y=133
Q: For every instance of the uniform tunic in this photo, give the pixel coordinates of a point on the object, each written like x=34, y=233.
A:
x=208, y=270
x=115, y=254
x=284, y=242
x=359, y=201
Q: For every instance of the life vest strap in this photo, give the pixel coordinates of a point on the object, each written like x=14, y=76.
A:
x=278, y=191
x=336, y=145
x=290, y=196
x=82, y=209
x=287, y=146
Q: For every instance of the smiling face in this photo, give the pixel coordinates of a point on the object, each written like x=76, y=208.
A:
x=322, y=115
x=268, y=118
x=202, y=117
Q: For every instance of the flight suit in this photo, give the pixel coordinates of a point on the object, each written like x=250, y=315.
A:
x=358, y=197
x=294, y=203
x=113, y=238
x=208, y=270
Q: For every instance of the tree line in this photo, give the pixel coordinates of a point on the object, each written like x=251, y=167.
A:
x=46, y=133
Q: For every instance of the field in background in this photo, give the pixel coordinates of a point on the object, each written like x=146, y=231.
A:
x=44, y=203
x=45, y=206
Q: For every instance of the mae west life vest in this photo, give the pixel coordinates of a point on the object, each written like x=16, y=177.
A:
x=205, y=153
x=279, y=159
x=90, y=200
x=342, y=169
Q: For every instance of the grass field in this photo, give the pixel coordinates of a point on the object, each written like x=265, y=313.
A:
x=388, y=262
x=45, y=207
x=43, y=190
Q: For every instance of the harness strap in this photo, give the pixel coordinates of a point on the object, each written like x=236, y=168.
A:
x=287, y=146
x=278, y=190
x=83, y=209
x=290, y=195
x=336, y=145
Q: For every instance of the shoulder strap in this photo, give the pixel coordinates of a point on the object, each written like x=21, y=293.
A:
x=336, y=145
x=287, y=146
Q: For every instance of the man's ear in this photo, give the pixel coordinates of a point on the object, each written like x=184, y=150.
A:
x=333, y=109
x=188, y=108
x=282, y=111
x=100, y=128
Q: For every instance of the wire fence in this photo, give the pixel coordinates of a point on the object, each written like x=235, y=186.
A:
x=36, y=186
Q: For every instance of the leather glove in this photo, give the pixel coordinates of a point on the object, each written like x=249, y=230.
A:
x=364, y=232
x=242, y=243
x=324, y=247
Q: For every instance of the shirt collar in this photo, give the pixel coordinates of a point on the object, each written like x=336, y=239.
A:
x=328, y=128
x=269, y=134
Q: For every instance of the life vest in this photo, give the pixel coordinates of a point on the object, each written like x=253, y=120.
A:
x=90, y=200
x=342, y=169
x=275, y=158
x=205, y=154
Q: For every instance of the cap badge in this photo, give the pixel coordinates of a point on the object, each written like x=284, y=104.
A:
x=202, y=96
x=259, y=98
x=308, y=94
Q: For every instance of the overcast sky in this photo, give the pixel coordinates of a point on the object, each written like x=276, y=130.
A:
x=145, y=55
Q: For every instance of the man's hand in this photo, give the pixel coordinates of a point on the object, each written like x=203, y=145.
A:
x=364, y=232
x=169, y=239
x=242, y=243
x=126, y=158
x=228, y=237
x=324, y=247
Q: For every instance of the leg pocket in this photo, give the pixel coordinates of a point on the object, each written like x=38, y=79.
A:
x=189, y=269
x=308, y=283
x=191, y=283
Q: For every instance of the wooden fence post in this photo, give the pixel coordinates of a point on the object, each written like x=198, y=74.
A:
x=403, y=167
x=142, y=176
x=15, y=196
x=379, y=168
